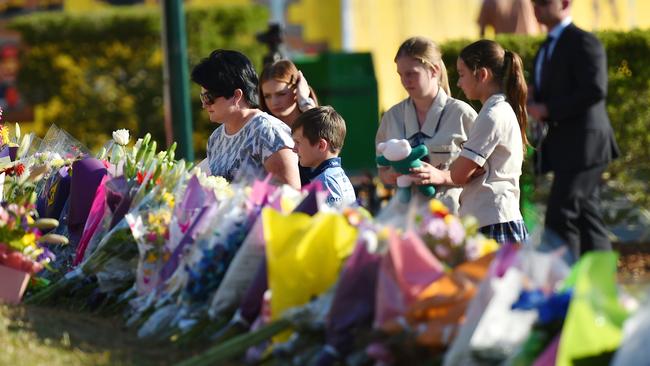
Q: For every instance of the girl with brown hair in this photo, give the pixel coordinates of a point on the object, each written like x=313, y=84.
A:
x=496, y=144
x=285, y=94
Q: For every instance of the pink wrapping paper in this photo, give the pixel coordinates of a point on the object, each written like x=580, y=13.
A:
x=95, y=218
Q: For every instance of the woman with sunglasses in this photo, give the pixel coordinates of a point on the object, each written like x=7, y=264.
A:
x=249, y=143
x=285, y=94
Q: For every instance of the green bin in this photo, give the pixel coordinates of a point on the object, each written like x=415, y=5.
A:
x=347, y=82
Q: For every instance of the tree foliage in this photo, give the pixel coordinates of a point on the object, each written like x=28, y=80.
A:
x=92, y=73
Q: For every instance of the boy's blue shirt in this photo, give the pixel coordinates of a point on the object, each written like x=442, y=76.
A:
x=333, y=177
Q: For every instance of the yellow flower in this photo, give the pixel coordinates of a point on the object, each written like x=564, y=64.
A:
x=168, y=198
x=151, y=257
x=449, y=219
x=28, y=240
x=384, y=233
x=488, y=246
x=151, y=218
x=438, y=207
x=4, y=134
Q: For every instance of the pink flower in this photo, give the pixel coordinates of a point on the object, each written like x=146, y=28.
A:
x=472, y=250
x=151, y=237
x=184, y=226
x=441, y=251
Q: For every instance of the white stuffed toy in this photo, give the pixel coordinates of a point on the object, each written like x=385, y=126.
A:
x=398, y=154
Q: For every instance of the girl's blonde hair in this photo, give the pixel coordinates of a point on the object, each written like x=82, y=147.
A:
x=427, y=52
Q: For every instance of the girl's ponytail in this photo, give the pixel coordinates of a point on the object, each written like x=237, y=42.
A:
x=508, y=71
x=516, y=90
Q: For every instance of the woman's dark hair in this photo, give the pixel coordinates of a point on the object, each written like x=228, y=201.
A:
x=508, y=71
x=283, y=71
x=223, y=72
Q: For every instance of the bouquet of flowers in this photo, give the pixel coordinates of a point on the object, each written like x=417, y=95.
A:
x=150, y=230
x=57, y=153
x=18, y=175
x=109, y=246
x=452, y=239
x=21, y=243
x=206, y=207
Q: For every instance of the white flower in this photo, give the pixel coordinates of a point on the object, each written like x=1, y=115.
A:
x=219, y=185
x=121, y=136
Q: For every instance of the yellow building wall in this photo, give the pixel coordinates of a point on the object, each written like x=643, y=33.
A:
x=320, y=21
x=380, y=26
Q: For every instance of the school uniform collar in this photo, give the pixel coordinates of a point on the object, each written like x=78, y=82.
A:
x=494, y=99
x=329, y=163
x=433, y=116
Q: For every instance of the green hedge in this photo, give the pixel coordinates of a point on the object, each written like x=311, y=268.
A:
x=628, y=100
x=95, y=72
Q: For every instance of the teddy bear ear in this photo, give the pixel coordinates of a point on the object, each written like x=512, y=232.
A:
x=381, y=146
x=404, y=144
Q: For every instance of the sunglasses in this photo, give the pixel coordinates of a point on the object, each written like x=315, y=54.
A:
x=207, y=98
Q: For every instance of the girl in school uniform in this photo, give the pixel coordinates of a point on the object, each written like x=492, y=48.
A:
x=429, y=115
x=490, y=162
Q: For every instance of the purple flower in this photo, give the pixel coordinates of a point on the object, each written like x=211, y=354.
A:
x=437, y=228
x=46, y=256
x=456, y=232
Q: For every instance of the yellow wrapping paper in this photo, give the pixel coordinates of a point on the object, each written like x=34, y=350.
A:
x=304, y=255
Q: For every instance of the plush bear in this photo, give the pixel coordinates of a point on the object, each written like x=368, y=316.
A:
x=398, y=154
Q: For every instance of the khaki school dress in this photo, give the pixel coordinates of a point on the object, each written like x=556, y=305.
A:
x=446, y=128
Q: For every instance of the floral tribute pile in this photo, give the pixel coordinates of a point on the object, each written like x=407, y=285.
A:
x=252, y=272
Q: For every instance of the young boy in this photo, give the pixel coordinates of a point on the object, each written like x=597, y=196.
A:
x=318, y=135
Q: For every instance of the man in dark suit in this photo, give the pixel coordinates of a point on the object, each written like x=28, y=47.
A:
x=569, y=91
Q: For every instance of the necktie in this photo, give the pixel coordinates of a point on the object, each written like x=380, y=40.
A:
x=543, y=60
x=547, y=48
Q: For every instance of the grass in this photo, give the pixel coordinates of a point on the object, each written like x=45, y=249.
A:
x=32, y=335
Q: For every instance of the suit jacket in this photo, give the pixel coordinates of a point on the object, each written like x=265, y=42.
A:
x=574, y=88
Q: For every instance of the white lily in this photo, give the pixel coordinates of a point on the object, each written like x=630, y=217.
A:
x=121, y=136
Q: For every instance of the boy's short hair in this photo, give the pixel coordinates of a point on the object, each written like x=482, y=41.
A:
x=322, y=123
x=223, y=72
